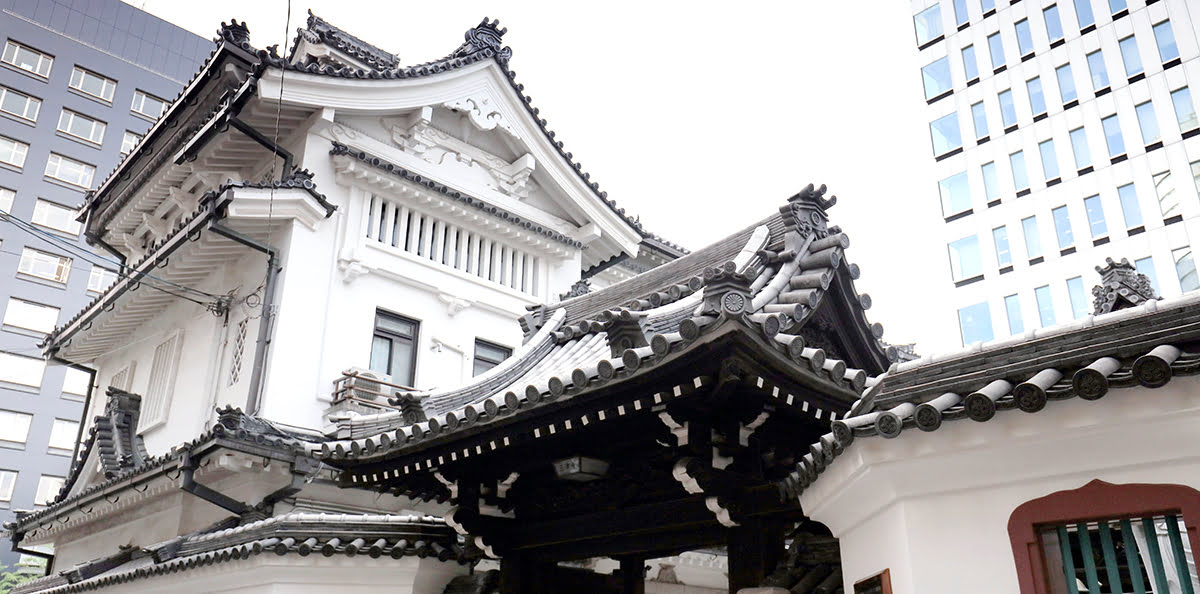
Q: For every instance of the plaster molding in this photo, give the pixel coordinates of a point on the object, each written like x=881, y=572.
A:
x=482, y=113
x=287, y=203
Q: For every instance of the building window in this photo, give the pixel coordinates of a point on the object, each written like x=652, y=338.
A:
x=64, y=434
x=1062, y=227
x=1083, y=13
x=129, y=142
x=47, y=489
x=1079, y=306
x=1045, y=305
x=1003, y=253
x=1095, y=215
x=81, y=126
x=1096, y=68
x=489, y=355
x=1033, y=241
x=18, y=369
x=1116, y=6
x=13, y=152
x=1008, y=111
x=93, y=84
x=970, y=64
x=393, y=347
x=44, y=265
x=148, y=105
x=1037, y=100
x=996, y=49
x=1129, y=206
x=100, y=279
x=975, y=323
x=1024, y=37
x=19, y=104
x=1049, y=159
x=928, y=23
x=162, y=380
x=979, y=116
x=6, y=199
x=1148, y=123
x=1168, y=201
x=30, y=316
x=1012, y=307
x=1020, y=176
x=987, y=5
x=77, y=382
x=966, y=262
x=961, y=17
x=946, y=136
x=27, y=58
x=1165, y=38
x=59, y=218
x=1079, y=147
x=1196, y=174
x=937, y=78
x=1185, y=269
x=1130, y=56
x=8, y=481
x=991, y=182
x=1054, y=27
x=1185, y=110
x=1112, y=136
x=14, y=426
x=70, y=171
x=1146, y=266
x=123, y=378
x=1066, y=83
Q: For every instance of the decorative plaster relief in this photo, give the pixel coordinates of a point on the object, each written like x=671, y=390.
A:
x=482, y=113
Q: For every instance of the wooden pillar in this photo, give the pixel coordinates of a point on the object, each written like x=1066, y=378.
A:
x=633, y=576
x=520, y=574
x=747, y=554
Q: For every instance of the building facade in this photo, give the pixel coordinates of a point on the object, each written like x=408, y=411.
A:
x=80, y=83
x=1064, y=132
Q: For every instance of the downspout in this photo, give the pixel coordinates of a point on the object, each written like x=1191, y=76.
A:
x=261, y=347
x=87, y=399
x=110, y=249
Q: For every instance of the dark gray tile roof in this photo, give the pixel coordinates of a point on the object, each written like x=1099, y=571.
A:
x=114, y=439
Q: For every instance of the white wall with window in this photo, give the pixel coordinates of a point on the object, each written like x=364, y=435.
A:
x=7, y=197
x=8, y=482
x=44, y=265
x=93, y=84
x=56, y=217
x=13, y=151
x=14, y=426
x=47, y=489
x=27, y=58
x=29, y=315
x=64, y=434
x=21, y=369
x=16, y=103
x=148, y=105
x=66, y=169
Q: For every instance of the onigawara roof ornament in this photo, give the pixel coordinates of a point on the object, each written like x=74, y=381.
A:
x=1121, y=286
x=806, y=212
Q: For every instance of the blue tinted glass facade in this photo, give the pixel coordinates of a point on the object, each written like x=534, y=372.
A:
x=1012, y=307
x=1003, y=253
x=1129, y=206
x=1062, y=227
x=1066, y=83
x=1164, y=37
x=970, y=64
x=1079, y=306
x=1045, y=305
x=1079, y=147
x=1095, y=215
x=1097, y=69
x=975, y=323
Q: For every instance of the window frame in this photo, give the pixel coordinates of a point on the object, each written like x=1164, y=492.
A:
x=1024, y=37
x=41, y=56
x=1045, y=307
x=475, y=357
x=1046, y=12
x=1093, y=222
x=125, y=141
x=987, y=316
x=1022, y=182
x=1147, y=120
x=1032, y=241
x=71, y=115
x=952, y=144
x=1077, y=297
x=1012, y=108
x=1012, y=304
x=8, y=484
x=1049, y=157
x=947, y=195
x=7, y=197
x=979, y=120
x=38, y=500
x=1130, y=53
x=1086, y=18
x=16, y=381
x=28, y=418
x=414, y=340
x=1111, y=133
x=84, y=72
x=966, y=258
x=1070, y=77
x=1078, y=143
x=143, y=95
x=1098, y=69
x=1194, y=120
x=55, y=426
x=1180, y=275
x=924, y=20
x=1063, y=234
x=941, y=63
x=1132, y=217
x=1037, y=95
x=42, y=205
x=64, y=265
x=994, y=48
x=29, y=99
x=1158, y=40
x=24, y=152
x=1003, y=257
x=91, y=177
x=971, y=67
x=9, y=321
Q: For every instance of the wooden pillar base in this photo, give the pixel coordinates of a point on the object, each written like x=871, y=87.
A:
x=755, y=548
x=633, y=576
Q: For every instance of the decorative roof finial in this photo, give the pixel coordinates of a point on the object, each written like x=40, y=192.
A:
x=485, y=36
x=1121, y=286
x=805, y=212
x=234, y=32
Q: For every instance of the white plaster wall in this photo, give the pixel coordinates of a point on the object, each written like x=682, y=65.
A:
x=934, y=507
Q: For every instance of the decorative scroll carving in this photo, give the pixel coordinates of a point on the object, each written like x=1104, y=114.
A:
x=805, y=213
x=1121, y=286
x=482, y=113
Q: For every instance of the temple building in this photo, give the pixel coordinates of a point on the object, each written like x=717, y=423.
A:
x=335, y=406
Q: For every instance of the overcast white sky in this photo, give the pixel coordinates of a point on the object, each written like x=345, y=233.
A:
x=704, y=117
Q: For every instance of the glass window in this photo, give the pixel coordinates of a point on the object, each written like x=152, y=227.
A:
x=47, y=489
x=1012, y=306
x=1037, y=100
x=979, y=116
x=1112, y=136
x=1062, y=227
x=6, y=199
x=1045, y=305
x=996, y=49
x=18, y=369
x=13, y=152
x=1096, y=67
x=1095, y=215
x=148, y=105
x=965, y=260
x=1024, y=37
x=1079, y=146
x=1083, y=13
x=70, y=171
x=1146, y=266
x=1165, y=38
x=489, y=355
x=64, y=434
x=987, y=5
x=1075, y=292
x=975, y=323
x=129, y=142
x=14, y=426
x=956, y=195
x=30, y=316
x=1020, y=176
x=1196, y=174
x=100, y=279
x=946, y=136
x=1185, y=110
x=1148, y=123
x=59, y=218
x=1130, y=56
x=991, y=182
x=1054, y=27
x=93, y=84
x=936, y=77
x=960, y=12
x=970, y=65
x=1185, y=269
x=1116, y=6
x=1168, y=200
x=81, y=126
x=1049, y=159
x=43, y=265
x=1129, y=206
x=393, y=347
x=8, y=480
x=19, y=104
x=1066, y=83
x=1008, y=111
x=1003, y=253
x=77, y=382
x=27, y=58
x=1033, y=242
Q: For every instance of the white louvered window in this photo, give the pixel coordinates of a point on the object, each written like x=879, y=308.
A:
x=162, y=380
x=123, y=378
x=19, y=104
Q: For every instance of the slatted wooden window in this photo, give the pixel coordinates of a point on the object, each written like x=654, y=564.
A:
x=162, y=381
x=1138, y=555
